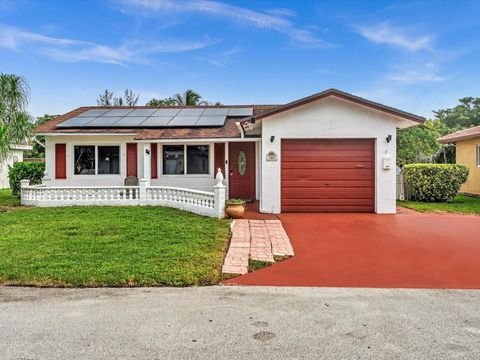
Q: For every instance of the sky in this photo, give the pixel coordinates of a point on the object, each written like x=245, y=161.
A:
x=416, y=56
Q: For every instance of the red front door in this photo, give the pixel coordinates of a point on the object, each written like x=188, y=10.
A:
x=131, y=159
x=241, y=161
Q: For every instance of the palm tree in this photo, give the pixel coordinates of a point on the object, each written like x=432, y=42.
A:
x=15, y=123
x=189, y=97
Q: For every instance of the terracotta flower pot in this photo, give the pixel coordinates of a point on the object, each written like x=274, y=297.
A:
x=235, y=211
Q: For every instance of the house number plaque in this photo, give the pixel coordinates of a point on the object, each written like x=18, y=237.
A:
x=271, y=156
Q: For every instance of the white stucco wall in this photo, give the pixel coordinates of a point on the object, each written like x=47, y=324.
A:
x=325, y=119
x=14, y=156
x=196, y=182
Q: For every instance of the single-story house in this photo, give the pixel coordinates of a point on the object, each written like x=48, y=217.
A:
x=15, y=155
x=467, y=149
x=329, y=152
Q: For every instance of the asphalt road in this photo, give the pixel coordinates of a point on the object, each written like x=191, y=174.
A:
x=238, y=323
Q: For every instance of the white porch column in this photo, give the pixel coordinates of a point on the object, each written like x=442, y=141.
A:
x=143, y=183
x=219, y=195
x=147, y=169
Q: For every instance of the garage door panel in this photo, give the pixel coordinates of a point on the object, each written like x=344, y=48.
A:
x=327, y=165
x=326, y=202
x=328, y=174
x=327, y=145
x=342, y=193
x=329, y=208
x=319, y=175
x=297, y=183
x=333, y=157
x=312, y=152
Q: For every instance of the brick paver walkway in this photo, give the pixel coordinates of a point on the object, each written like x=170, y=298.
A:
x=256, y=240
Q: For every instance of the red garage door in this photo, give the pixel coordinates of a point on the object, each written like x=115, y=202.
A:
x=328, y=175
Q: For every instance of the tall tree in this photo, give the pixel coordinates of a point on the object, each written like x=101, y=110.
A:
x=419, y=144
x=129, y=98
x=189, y=97
x=462, y=116
x=16, y=126
x=105, y=99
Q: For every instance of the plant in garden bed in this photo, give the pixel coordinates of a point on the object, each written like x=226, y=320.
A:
x=434, y=182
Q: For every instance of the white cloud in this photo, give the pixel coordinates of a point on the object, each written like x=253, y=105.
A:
x=273, y=20
x=426, y=73
x=72, y=50
x=384, y=33
x=219, y=59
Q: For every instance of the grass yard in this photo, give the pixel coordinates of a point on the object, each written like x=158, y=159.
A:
x=109, y=246
x=6, y=198
x=462, y=205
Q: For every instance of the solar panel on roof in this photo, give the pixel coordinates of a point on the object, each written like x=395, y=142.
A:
x=76, y=121
x=240, y=111
x=157, y=121
x=93, y=113
x=133, y=121
x=191, y=112
x=215, y=112
x=118, y=112
x=183, y=121
x=103, y=121
x=210, y=121
x=142, y=112
x=167, y=117
x=166, y=112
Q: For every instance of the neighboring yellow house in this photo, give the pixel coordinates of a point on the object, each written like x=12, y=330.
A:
x=467, y=143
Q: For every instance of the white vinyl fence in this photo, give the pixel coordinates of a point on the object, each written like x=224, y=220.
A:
x=199, y=202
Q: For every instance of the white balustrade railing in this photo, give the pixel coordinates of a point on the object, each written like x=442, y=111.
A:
x=199, y=202
x=39, y=195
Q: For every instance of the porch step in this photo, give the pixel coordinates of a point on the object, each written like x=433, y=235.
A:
x=256, y=240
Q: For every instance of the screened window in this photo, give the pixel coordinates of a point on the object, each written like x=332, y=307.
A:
x=84, y=157
x=109, y=159
x=197, y=159
x=173, y=159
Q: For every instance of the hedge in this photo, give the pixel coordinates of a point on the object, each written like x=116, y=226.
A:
x=434, y=182
x=32, y=171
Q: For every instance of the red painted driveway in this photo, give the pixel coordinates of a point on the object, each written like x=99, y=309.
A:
x=407, y=250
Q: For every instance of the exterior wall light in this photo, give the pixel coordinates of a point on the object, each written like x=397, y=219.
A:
x=147, y=151
x=389, y=138
x=272, y=138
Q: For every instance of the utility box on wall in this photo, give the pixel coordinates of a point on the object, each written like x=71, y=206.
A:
x=386, y=162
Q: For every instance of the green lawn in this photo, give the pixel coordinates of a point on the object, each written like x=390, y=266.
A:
x=6, y=198
x=462, y=204
x=109, y=246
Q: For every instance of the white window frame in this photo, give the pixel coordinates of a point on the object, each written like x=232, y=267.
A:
x=478, y=155
x=208, y=175
x=96, y=159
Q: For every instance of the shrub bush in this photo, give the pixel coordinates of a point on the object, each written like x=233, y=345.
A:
x=434, y=182
x=32, y=171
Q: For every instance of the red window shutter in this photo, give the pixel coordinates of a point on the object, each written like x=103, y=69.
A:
x=153, y=160
x=219, y=159
x=131, y=159
x=60, y=161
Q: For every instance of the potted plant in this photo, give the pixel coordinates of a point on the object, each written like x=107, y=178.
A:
x=235, y=208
